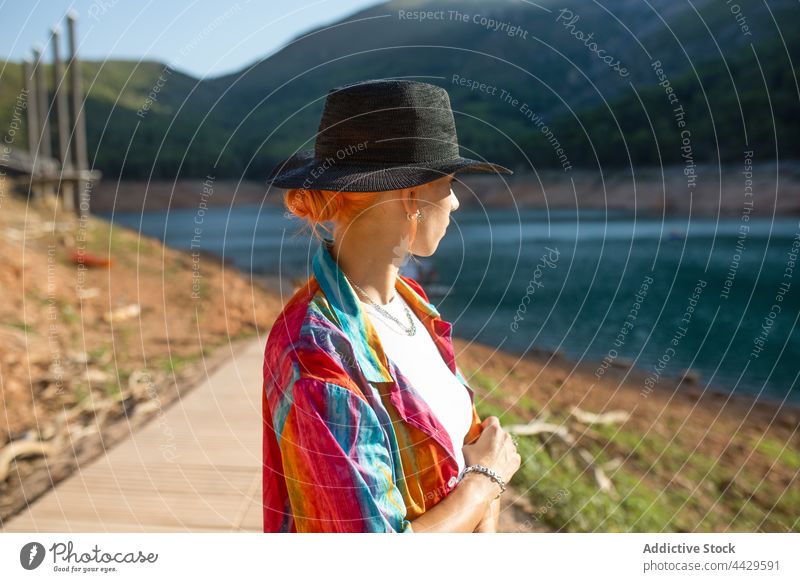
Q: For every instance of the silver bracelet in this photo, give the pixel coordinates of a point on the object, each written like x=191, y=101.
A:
x=486, y=471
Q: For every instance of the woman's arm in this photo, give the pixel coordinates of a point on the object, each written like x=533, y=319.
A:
x=334, y=461
x=491, y=520
x=463, y=508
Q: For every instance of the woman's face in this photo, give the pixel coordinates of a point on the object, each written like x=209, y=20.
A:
x=436, y=200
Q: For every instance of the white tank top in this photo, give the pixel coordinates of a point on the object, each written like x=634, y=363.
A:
x=420, y=361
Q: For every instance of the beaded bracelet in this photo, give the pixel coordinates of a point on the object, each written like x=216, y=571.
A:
x=486, y=471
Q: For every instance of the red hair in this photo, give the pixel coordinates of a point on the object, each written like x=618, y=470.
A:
x=319, y=206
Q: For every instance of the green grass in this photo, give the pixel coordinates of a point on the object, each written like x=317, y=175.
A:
x=123, y=245
x=785, y=453
x=21, y=325
x=98, y=353
x=176, y=364
x=661, y=485
x=113, y=390
x=481, y=380
x=81, y=392
x=69, y=315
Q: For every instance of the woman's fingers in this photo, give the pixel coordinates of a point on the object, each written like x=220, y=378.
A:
x=491, y=420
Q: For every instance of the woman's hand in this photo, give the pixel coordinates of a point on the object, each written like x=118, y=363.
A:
x=494, y=449
x=469, y=507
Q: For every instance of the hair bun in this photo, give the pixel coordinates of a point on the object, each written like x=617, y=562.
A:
x=312, y=205
x=320, y=206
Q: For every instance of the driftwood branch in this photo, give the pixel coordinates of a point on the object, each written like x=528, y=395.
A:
x=19, y=448
x=540, y=427
x=603, y=482
x=611, y=417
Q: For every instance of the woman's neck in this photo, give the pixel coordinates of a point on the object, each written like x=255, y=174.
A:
x=370, y=263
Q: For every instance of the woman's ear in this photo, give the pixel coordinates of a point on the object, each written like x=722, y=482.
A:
x=410, y=201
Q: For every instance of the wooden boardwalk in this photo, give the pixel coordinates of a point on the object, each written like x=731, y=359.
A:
x=196, y=468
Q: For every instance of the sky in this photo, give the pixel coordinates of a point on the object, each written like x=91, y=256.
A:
x=204, y=38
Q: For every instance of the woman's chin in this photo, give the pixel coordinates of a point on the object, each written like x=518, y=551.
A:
x=426, y=251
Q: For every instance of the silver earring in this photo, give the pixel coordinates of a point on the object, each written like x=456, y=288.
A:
x=418, y=215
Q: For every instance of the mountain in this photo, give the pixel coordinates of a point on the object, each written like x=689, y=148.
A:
x=581, y=76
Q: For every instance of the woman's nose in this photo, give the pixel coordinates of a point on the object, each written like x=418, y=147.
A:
x=455, y=200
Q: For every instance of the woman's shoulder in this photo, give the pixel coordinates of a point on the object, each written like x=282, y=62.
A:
x=293, y=310
x=306, y=322
x=306, y=343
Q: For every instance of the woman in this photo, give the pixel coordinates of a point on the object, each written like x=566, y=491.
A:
x=369, y=425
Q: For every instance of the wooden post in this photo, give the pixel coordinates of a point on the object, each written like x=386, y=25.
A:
x=32, y=121
x=79, y=153
x=65, y=187
x=45, y=147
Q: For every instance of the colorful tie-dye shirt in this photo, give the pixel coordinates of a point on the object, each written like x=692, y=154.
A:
x=348, y=444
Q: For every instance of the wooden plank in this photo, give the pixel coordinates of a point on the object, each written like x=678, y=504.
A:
x=212, y=484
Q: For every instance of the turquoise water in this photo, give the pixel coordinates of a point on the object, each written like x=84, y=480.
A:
x=499, y=284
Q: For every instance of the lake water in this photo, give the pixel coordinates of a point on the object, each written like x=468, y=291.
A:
x=593, y=285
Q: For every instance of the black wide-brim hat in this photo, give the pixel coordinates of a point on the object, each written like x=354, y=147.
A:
x=380, y=134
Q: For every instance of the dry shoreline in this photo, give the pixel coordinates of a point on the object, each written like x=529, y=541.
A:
x=692, y=387
x=89, y=354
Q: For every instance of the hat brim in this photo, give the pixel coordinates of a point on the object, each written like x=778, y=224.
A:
x=303, y=170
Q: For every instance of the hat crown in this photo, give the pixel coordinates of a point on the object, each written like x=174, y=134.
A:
x=386, y=121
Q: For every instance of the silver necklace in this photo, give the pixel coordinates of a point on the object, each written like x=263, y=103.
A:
x=412, y=330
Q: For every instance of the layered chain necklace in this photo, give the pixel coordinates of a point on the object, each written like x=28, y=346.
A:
x=411, y=330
